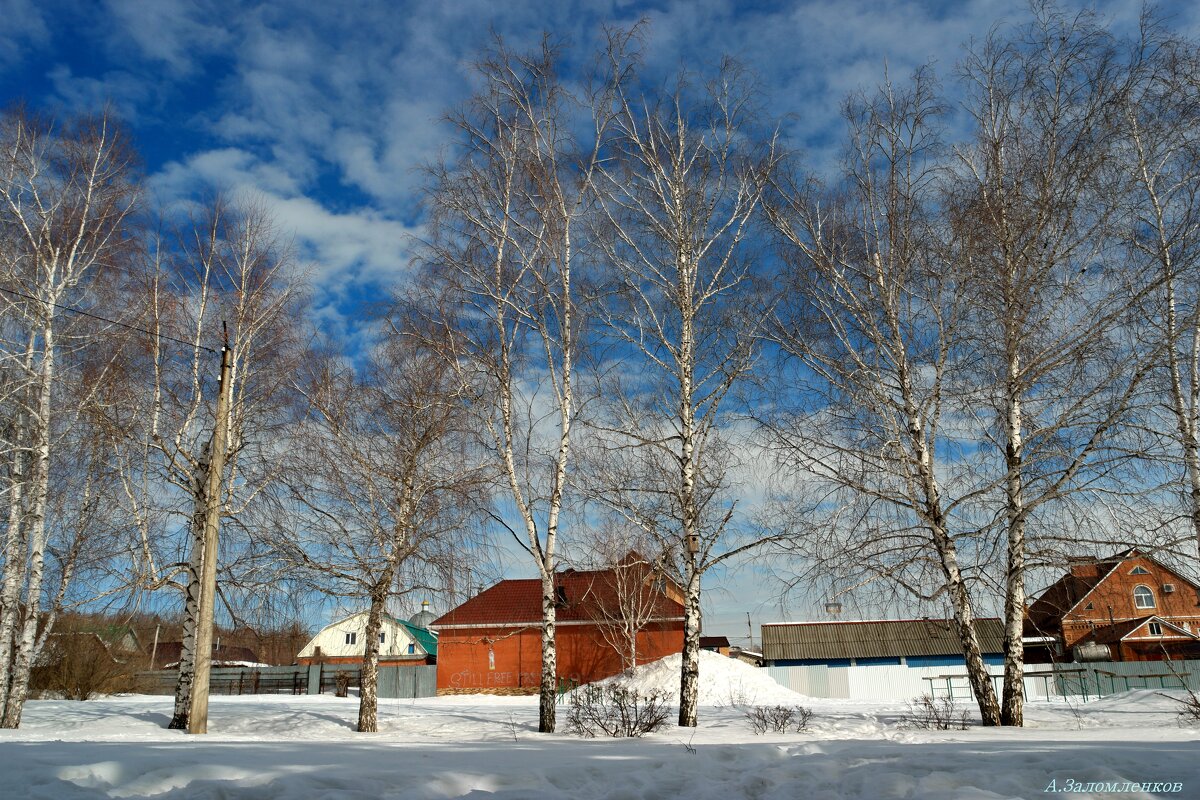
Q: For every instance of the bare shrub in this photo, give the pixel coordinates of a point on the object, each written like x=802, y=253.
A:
x=1187, y=707
x=615, y=711
x=738, y=697
x=778, y=719
x=934, y=714
x=78, y=666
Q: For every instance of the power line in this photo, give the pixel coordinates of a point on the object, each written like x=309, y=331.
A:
x=83, y=313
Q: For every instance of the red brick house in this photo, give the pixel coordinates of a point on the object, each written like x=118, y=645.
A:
x=1129, y=607
x=491, y=644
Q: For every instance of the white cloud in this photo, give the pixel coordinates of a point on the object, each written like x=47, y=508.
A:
x=170, y=32
x=345, y=251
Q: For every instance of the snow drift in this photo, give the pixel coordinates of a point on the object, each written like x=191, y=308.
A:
x=724, y=681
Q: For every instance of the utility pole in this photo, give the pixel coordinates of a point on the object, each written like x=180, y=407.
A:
x=154, y=650
x=198, y=710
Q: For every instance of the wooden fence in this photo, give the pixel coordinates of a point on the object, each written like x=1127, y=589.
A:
x=394, y=682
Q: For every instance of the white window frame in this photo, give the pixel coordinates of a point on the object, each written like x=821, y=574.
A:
x=1140, y=592
x=351, y=637
x=1155, y=629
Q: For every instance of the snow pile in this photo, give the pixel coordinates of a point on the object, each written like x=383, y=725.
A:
x=724, y=681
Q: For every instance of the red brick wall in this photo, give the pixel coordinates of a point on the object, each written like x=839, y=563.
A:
x=514, y=667
x=1116, y=591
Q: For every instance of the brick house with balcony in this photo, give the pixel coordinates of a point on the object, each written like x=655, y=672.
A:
x=1129, y=607
x=491, y=644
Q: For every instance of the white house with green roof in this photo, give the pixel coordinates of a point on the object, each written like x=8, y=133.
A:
x=401, y=643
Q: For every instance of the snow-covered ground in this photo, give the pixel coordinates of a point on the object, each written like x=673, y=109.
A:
x=487, y=748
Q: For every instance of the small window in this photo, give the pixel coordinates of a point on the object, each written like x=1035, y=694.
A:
x=382, y=637
x=1155, y=629
x=1139, y=570
x=1143, y=597
x=351, y=638
x=1089, y=607
x=412, y=649
x=560, y=594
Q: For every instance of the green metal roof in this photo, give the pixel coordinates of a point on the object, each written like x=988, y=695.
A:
x=424, y=637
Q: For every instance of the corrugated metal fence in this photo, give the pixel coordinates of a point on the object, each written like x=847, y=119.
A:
x=394, y=682
x=407, y=682
x=1042, y=681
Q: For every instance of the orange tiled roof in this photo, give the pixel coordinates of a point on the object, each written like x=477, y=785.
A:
x=585, y=594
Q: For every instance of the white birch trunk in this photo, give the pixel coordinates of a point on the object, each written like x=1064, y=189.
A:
x=16, y=535
x=191, y=606
x=368, y=694
x=23, y=654
x=933, y=514
x=689, y=687
x=1012, y=709
x=14, y=566
x=689, y=678
x=548, y=693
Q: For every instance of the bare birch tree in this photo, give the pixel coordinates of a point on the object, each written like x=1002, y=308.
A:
x=870, y=327
x=66, y=198
x=1053, y=304
x=627, y=595
x=678, y=202
x=231, y=271
x=385, y=488
x=1161, y=151
x=507, y=253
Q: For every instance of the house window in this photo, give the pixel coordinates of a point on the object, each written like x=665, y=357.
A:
x=382, y=637
x=412, y=649
x=1139, y=570
x=1143, y=597
x=1089, y=607
x=351, y=638
x=1155, y=629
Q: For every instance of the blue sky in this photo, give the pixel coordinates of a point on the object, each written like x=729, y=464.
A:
x=329, y=109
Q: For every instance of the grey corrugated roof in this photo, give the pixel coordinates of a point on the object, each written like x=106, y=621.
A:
x=873, y=639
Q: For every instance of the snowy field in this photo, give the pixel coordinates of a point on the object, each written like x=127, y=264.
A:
x=487, y=748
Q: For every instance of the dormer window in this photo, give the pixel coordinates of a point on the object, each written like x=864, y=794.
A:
x=1139, y=570
x=1143, y=597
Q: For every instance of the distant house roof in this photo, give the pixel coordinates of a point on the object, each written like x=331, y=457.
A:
x=581, y=593
x=1062, y=595
x=1110, y=634
x=714, y=641
x=1084, y=575
x=122, y=637
x=168, y=653
x=873, y=639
